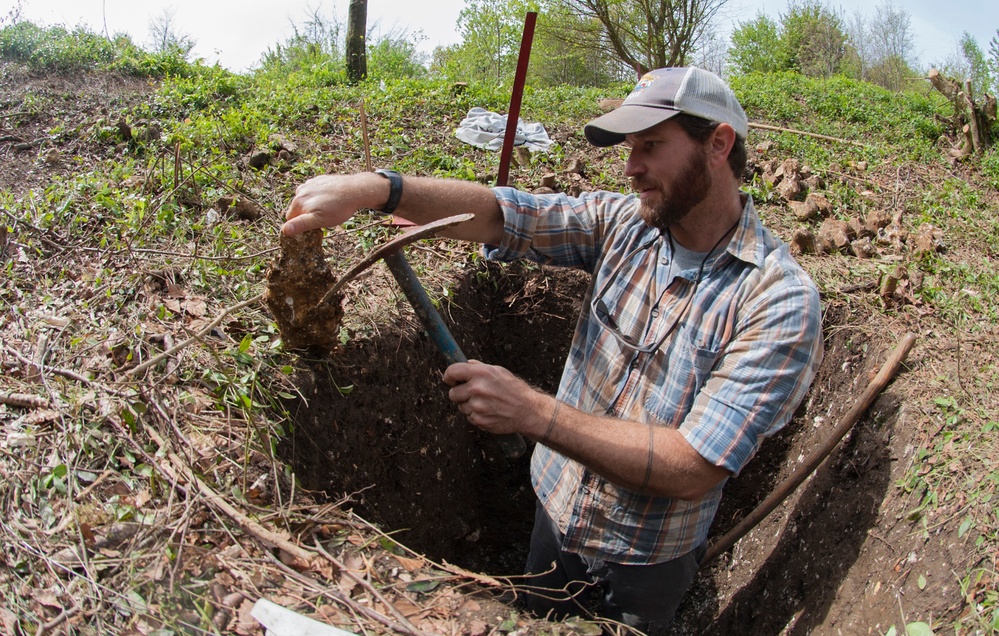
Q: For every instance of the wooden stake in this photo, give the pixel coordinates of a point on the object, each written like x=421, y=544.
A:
x=364, y=136
x=807, y=134
x=819, y=455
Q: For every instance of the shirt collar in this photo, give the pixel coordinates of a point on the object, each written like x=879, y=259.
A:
x=748, y=243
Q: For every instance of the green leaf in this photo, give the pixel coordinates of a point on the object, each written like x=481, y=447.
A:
x=891, y=631
x=921, y=582
x=965, y=526
x=423, y=586
x=918, y=629
x=245, y=345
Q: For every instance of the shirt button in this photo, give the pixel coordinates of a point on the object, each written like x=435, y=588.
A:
x=655, y=312
x=634, y=364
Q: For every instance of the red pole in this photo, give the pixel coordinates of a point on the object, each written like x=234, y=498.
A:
x=515, y=98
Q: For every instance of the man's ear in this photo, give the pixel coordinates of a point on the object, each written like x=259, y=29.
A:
x=721, y=142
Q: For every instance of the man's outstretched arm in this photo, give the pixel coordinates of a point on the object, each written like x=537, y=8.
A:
x=329, y=200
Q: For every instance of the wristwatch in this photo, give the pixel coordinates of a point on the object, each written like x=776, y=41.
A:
x=395, y=190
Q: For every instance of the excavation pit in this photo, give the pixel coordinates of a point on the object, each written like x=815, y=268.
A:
x=376, y=427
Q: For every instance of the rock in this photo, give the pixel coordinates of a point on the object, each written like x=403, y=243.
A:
x=863, y=248
x=877, y=220
x=240, y=207
x=296, y=285
x=833, y=236
x=764, y=147
x=929, y=240
x=577, y=166
x=789, y=189
x=822, y=204
x=769, y=177
x=548, y=181
x=789, y=169
x=608, y=104
x=259, y=160
x=574, y=190
x=890, y=282
x=803, y=242
x=804, y=210
x=522, y=156
x=859, y=229
x=543, y=190
x=280, y=142
x=814, y=182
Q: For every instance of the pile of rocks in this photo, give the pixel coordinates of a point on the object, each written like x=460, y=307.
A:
x=855, y=235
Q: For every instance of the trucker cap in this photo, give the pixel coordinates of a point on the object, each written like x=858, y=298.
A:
x=665, y=93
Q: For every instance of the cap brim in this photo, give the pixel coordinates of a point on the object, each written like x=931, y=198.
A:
x=610, y=129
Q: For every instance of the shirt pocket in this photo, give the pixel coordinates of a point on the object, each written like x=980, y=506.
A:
x=684, y=373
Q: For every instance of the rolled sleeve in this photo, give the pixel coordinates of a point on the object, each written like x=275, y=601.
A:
x=555, y=229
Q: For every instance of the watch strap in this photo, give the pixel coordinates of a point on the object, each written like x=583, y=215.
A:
x=395, y=190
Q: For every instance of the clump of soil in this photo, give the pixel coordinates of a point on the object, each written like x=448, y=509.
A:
x=296, y=290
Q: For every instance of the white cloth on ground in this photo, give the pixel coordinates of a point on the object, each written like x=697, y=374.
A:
x=485, y=129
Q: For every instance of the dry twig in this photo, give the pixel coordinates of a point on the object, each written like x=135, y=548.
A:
x=195, y=338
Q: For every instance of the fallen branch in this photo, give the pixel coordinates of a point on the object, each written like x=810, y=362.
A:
x=23, y=400
x=369, y=587
x=328, y=592
x=813, y=461
x=195, y=338
x=807, y=134
x=177, y=470
x=66, y=373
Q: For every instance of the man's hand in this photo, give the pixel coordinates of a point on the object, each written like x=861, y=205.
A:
x=494, y=399
x=329, y=200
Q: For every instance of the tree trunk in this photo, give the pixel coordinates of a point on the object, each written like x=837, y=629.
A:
x=971, y=118
x=357, y=58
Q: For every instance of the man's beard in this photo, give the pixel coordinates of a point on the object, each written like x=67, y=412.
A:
x=686, y=190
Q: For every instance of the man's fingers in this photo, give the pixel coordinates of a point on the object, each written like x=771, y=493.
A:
x=299, y=224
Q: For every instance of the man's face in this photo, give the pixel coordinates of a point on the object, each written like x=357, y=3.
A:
x=669, y=170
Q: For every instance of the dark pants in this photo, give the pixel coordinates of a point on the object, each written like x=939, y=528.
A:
x=642, y=596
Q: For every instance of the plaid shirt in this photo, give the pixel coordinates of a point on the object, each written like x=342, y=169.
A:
x=739, y=350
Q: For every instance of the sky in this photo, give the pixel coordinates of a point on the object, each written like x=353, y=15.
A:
x=235, y=33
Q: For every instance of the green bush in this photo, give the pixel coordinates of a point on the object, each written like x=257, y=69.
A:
x=57, y=50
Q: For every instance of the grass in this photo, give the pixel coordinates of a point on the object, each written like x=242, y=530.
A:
x=126, y=250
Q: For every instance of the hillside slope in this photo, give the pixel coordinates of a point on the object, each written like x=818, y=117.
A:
x=165, y=462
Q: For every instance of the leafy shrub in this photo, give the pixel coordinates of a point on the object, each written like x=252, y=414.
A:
x=58, y=50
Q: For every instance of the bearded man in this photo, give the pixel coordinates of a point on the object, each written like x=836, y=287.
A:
x=699, y=337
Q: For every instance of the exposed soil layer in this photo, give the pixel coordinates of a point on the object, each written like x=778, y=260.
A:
x=419, y=470
x=415, y=466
